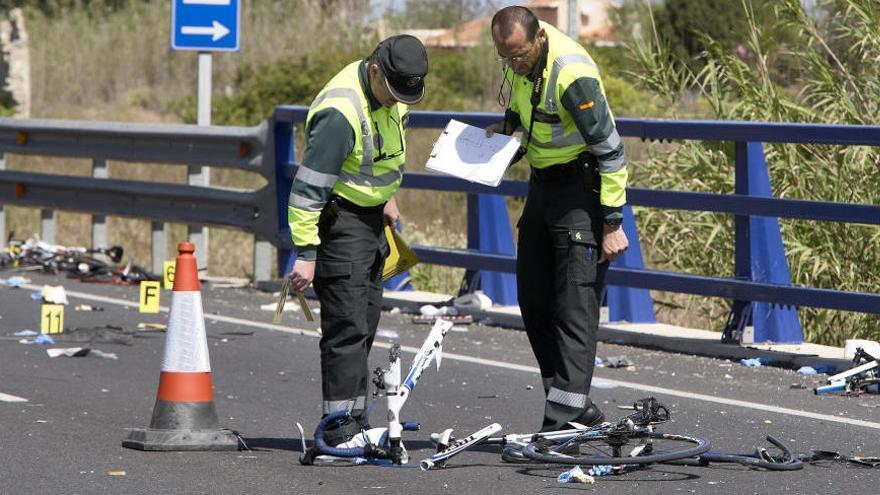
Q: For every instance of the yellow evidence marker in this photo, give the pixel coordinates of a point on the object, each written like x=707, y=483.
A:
x=168, y=274
x=51, y=318
x=149, y=297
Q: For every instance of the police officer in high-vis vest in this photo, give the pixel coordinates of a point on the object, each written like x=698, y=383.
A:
x=570, y=226
x=341, y=199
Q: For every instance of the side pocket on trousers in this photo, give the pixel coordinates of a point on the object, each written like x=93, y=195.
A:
x=581, y=257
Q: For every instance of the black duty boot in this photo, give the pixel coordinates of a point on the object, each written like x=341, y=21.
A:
x=591, y=417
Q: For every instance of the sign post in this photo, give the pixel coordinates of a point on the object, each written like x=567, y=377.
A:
x=204, y=26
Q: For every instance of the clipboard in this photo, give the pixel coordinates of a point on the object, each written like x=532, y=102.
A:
x=465, y=152
x=400, y=257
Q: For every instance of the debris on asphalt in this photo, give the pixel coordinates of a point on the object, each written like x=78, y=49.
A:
x=493, y=396
x=459, y=328
x=87, y=307
x=575, y=475
x=603, y=470
x=387, y=334
x=152, y=326
x=598, y=361
x=828, y=455
x=617, y=362
x=476, y=301
x=36, y=296
x=807, y=371
x=116, y=473
x=41, y=339
x=105, y=355
x=429, y=310
x=16, y=282
x=529, y=387
x=68, y=351
x=755, y=362
x=800, y=386
x=25, y=333
x=107, y=334
x=54, y=294
x=394, y=311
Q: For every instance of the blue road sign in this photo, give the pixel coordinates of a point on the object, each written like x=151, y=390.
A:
x=205, y=25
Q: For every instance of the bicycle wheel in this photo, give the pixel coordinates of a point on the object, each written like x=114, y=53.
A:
x=618, y=448
x=761, y=458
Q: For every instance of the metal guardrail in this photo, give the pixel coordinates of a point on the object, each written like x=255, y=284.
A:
x=268, y=150
x=742, y=204
x=241, y=148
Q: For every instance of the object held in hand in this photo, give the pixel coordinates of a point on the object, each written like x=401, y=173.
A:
x=282, y=298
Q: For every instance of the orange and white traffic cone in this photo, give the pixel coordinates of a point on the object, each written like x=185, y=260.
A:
x=184, y=417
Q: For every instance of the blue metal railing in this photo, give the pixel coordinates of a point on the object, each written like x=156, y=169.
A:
x=750, y=203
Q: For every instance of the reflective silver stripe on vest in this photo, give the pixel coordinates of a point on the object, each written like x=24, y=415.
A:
x=304, y=203
x=313, y=178
x=366, y=131
x=372, y=181
x=550, y=99
x=347, y=405
x=613, y=165
x=558, y=139
x=606, y=146
x=570, y=399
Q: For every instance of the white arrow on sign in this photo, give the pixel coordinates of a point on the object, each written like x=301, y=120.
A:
x=217, y=31
x=207, y=2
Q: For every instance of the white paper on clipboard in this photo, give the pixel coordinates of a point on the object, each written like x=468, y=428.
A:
x=464, y=151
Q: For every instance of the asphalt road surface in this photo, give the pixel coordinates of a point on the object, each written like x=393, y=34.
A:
x=66, y=437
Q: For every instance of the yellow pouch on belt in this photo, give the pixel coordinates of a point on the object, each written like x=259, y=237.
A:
x=400, y=257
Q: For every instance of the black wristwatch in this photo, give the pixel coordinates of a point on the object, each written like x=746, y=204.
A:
x=614, y=223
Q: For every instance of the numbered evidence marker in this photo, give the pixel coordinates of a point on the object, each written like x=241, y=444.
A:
x=51, y=318
x=149, y=297
x=168, y=275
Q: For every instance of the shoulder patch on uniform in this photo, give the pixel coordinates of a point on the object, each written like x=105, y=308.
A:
x=587, y=105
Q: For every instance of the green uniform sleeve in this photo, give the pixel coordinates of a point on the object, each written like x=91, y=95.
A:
x=329, y=142
x=588, y=108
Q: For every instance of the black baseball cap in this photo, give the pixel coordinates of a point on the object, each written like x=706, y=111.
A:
x=404, y=62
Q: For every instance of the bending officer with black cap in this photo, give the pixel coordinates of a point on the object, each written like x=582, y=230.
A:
x=341, y=199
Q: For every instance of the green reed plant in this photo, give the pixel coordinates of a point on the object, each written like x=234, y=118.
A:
x=836, y=59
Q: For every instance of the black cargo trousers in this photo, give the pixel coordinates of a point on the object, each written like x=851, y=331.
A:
x=559, y=284
x=348, y=282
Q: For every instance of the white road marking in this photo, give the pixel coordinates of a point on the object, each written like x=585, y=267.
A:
x=11, y=398
x=511, y=366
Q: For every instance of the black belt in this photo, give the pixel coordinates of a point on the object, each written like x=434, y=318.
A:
x=563, y=171
x=347, y=205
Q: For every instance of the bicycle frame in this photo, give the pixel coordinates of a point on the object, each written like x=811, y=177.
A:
x=855, y=379
x=385, y=443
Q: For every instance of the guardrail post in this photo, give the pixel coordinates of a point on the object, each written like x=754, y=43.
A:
x=48, y=225
x=158, y=246
x=759, y=257
x=262, y=260
x=489, y=231
x=198, y=234
x=628, y=303
x=771, y=322
x=285, y=152
x=99, y=222
x=740, y=313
